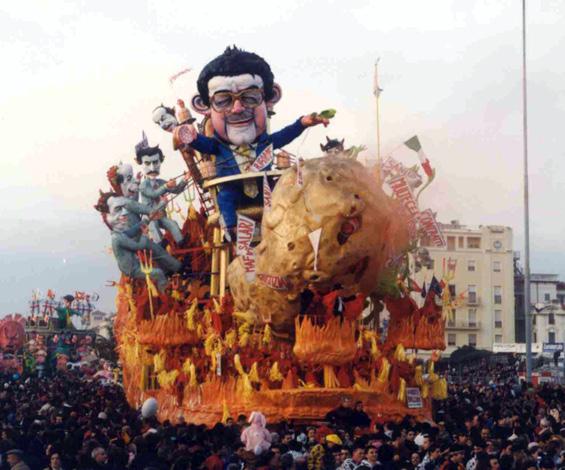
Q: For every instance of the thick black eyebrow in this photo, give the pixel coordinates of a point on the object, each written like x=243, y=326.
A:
x=252, y=87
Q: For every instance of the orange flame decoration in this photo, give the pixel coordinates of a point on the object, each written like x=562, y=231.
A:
x=166, y=330
x=330, y=344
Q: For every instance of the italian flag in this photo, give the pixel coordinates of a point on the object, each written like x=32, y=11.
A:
x=414, y=144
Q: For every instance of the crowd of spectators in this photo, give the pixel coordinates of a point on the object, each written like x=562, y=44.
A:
x=68, y=422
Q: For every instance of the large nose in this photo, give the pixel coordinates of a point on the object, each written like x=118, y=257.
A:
x=237, y=106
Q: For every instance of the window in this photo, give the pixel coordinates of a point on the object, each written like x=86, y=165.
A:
x=496, y=266
x=498, y=338
x=551, y=319
x=471, y=265
x=497, y=295
x=547, y=297
x=461, y=242
x=451, y=339
x=473, y=340
x=535, y=337
x=473, y=242
x=498, y=318
x=472, y=293
x=452, y=291
x=451, y=243
x=551, y=336
x=451, y=321
x=472, y=317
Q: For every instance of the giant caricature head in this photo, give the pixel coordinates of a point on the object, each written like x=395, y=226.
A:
x=168, y=118
x=123, y=181
x=237, y=90
x=165, y=118
x=12, y=332
x=150, y=159
x=114, y=211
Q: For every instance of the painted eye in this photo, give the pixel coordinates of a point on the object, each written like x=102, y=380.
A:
x=222, y=100
x=251, y=98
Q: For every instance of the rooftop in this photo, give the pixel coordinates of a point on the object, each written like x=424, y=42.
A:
x=544, y=277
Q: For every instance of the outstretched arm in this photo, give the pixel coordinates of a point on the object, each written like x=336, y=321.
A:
x=289, y=133
x=178, y=188
x=187, y=135
x=146, y=190
x=137, y=207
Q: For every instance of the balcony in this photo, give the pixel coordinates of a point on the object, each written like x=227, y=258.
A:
x=463, y=325
x=473, y=299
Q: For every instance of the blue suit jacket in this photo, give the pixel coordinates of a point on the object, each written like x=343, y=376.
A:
x=231, y=195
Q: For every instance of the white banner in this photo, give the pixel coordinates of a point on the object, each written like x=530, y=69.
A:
x=404, y=194
x=245, y=231
x=264, y=159
x=428, y=224
x=518, y=348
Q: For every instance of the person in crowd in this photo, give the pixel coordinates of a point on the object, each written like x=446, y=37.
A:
x=343, y=416
x=371, y=455
x=55, y=462
x=357, y=459
x=360, y=418
x=69, y=421
x=14, y=457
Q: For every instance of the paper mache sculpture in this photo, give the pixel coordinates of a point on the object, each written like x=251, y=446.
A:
x=275, y=309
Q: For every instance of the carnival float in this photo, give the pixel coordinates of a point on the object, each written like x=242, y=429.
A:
x=269, y=290
x=53, y=336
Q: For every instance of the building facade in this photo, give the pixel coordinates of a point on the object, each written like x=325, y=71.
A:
x=485, y=273
x=548, y=323
x=547, y=296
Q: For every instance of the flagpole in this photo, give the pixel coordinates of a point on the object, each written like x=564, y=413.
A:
x=527, y=316
x=377, y=93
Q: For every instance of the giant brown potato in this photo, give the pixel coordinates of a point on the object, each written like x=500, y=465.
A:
x=361, y=226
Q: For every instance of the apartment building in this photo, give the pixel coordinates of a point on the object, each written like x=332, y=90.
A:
x=485, y=273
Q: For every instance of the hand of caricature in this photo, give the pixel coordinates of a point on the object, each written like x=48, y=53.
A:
x=187, y=133
x=171, y=184
x=313, y=120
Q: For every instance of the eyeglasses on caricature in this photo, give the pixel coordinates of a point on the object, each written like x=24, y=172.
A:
x=224, y=100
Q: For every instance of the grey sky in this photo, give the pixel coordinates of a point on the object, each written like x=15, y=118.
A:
x=80, y=79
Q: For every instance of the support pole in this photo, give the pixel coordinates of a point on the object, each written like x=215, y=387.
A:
x=377, y=92
x=527, y=307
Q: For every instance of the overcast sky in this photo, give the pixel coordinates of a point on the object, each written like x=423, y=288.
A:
x=80, y=78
